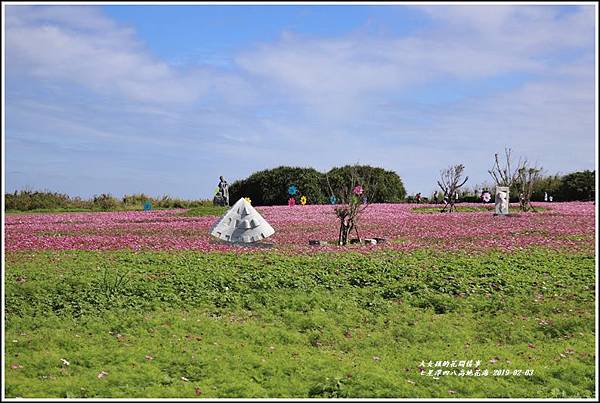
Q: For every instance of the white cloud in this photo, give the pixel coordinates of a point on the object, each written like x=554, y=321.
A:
x=476, y=42
x=322, y=102
x=81, y=45
x=86, y=18
x=521, y=29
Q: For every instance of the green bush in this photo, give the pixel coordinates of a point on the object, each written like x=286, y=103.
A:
x=381, y=186
x=549, y=185
x=105, y=202
x=270, y=187
x=470, y=199
x=27, y=200
x=31, y=200
x=137, y=200
x=577, y=186
x=78, y=203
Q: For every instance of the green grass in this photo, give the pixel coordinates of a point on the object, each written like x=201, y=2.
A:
x=206, y=211
x=193, y=324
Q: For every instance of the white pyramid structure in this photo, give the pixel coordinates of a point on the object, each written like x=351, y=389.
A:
x=242, y=223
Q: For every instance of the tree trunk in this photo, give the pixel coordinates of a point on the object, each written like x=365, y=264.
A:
x=451, y=209
x=345, y=228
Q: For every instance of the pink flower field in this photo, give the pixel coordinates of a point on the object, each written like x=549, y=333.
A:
x=570, y=225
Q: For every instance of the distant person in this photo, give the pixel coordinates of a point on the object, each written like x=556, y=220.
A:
x=545, y=196
x=550, y=198
x=435, y=197
x=224, y=190
x=418, y=197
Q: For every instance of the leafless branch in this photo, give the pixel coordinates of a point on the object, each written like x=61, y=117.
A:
x=450, y=182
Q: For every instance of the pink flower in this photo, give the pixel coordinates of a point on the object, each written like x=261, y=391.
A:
x=291, y=202
x=358, y=190
x=570, y=225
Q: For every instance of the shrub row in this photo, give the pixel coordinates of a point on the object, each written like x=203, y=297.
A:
x=270, y=187
x=576, y=186
x=26, y=200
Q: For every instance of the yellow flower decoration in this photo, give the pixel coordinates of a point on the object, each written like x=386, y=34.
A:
x=303, y=200
x=248, y=200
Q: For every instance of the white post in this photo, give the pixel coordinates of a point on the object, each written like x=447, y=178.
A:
x=502, y=200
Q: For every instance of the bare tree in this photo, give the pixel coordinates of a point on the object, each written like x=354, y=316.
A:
x=354, y=198
x=504, y=175
x=521, y=178
x=527, y=178
x=450, y=182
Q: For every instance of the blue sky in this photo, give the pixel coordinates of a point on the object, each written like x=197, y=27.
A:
x=163, y=99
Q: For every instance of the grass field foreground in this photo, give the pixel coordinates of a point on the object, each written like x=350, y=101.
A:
x=194, y=324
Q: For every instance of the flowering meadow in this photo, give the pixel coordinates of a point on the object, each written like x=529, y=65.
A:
x=558, y=225
x=147, y=305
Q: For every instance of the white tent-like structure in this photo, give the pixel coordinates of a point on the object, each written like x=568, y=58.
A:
x=242, y=223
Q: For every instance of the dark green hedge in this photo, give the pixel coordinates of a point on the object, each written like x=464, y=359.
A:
x=577, y=186
x=385, y=186
x=270, y=187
